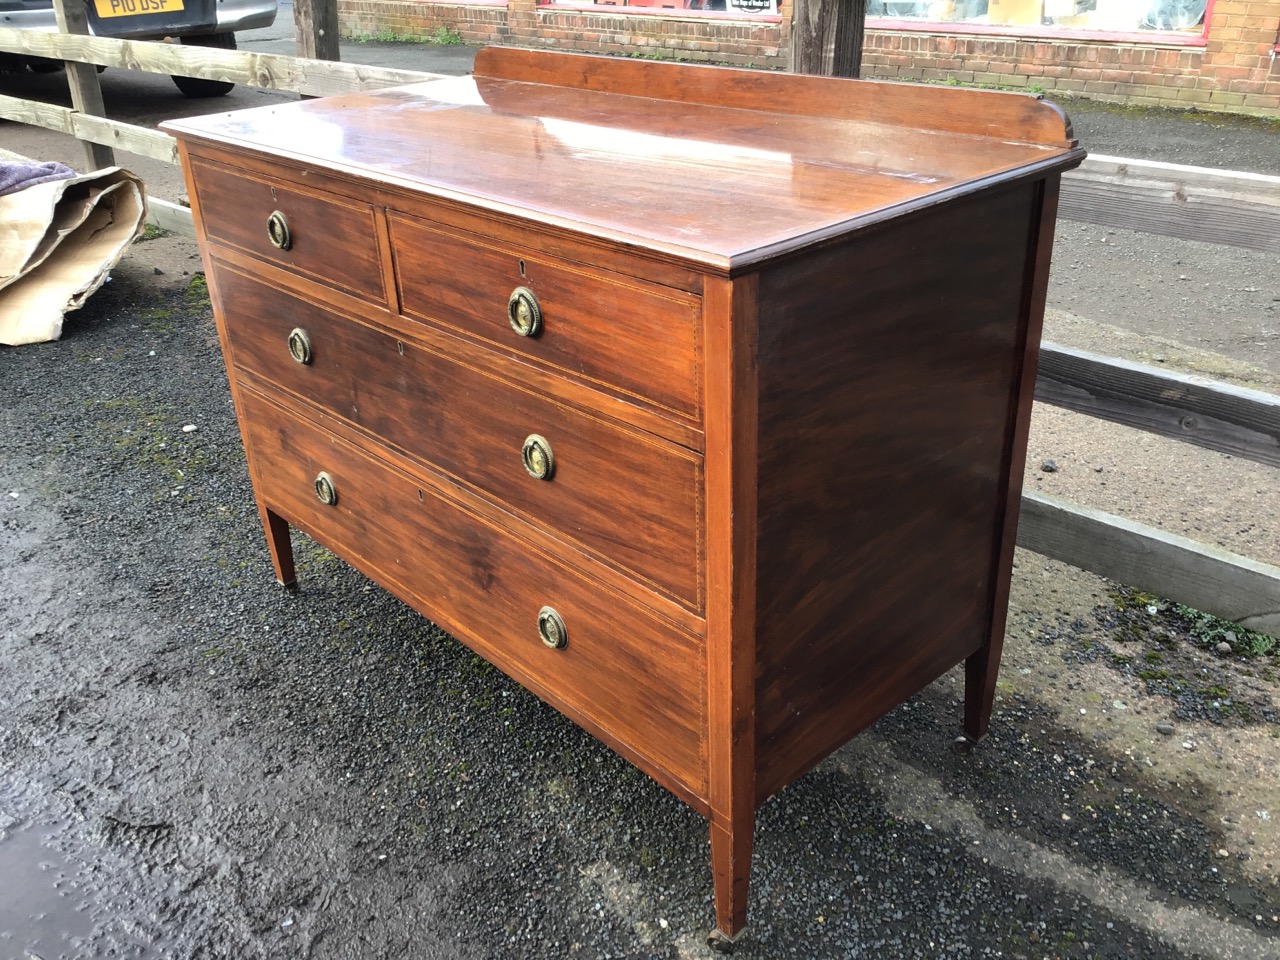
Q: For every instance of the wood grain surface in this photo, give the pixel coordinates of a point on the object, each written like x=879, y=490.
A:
x=718, y=185
x=627, y=676
x=268, y=71
x=334, y=239
x=605, y=329
x=785, y=370
x=1005, y=116
x=886, y=368
x=1195, y=203
x=628, y=498
x=1211, y=579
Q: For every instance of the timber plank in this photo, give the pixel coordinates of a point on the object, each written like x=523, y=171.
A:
x=268, y=71
x=98, y=130
x=1208, y=413
x=86, y=94
x=1207, y=578
x=1193, y=203
x=170, y=216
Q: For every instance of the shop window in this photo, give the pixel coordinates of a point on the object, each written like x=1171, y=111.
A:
x=1113, y=16
x=735, y=8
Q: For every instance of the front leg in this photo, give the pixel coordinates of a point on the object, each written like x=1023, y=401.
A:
x=731, y=845
x=279, y=544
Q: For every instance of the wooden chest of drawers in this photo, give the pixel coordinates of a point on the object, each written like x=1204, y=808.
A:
x=694, y=399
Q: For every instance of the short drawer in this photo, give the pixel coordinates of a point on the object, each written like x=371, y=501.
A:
x=626, y=675
x=640, y=339
x=328, y=238
x=629, y=498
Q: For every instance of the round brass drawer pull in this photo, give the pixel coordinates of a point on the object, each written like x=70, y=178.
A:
x=300, y=345
x=325, y=490
x=524, y=312
x=538, y=458
x=278, y=231
x=551, y=629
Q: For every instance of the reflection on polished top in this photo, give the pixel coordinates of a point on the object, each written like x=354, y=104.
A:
x=723, y=172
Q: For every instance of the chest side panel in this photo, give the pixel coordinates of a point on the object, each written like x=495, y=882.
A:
x=887, y=367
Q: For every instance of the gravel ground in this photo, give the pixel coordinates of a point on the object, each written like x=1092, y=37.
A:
x=194, y=763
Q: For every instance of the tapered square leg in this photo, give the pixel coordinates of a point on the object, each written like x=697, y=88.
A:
x=980, y=672
x=280, y=546
x=731, y=871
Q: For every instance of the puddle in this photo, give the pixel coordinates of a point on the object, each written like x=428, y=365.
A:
x=41, y=913
x=48, y=910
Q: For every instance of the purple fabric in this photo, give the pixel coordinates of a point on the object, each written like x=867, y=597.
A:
x=18, y=175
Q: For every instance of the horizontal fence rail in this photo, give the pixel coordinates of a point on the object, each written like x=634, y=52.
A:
x=266, y=71
x=1194, y=574
x=269, y=71
x=1194, y=203
x=1217, y=416
x=112, y=133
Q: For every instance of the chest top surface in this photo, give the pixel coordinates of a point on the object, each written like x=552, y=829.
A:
x=717, y=166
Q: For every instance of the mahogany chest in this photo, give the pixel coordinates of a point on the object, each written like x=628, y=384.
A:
x=694, y=399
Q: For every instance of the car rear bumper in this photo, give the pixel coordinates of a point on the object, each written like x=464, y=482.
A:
x=226, y=16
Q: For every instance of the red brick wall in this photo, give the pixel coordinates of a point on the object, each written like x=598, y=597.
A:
x=522, y=24
x=1234, y=71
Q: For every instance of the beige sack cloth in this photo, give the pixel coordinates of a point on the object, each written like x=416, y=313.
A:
x=58, y=242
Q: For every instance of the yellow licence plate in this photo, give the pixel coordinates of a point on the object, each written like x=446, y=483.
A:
x=135, y=8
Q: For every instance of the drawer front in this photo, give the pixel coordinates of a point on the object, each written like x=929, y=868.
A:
x=331, y=239
x=626, y=496
x=624, y=674
x=640, y=339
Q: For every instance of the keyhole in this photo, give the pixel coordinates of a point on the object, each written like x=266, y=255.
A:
x=522, y=273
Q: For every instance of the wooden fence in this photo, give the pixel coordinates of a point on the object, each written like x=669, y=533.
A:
x=1195, y=203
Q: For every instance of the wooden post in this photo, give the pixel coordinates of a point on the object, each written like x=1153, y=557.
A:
x=317, y=25
x=826, y=37
x=86, y=95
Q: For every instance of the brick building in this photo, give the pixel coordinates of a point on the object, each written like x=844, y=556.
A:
x=1211, y=54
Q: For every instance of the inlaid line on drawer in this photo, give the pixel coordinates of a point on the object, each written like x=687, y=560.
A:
x=330, y=238
x=450, y=342
x=633, y=677
x=628, y=498
x=615, y=331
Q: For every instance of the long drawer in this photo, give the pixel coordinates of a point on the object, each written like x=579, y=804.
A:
x=619, y=332
x=626, y=496
x=625, y=674
x=320, y=235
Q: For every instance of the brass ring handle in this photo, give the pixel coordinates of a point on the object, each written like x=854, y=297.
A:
x=538, y=458
x=300, y=345
x=278, y=231
x=524, y=312
x=325, y=489
x=551, y=629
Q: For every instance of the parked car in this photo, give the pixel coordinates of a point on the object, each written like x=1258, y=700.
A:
x=201, y=23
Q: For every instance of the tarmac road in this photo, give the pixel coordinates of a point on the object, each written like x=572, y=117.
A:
x=196, y=764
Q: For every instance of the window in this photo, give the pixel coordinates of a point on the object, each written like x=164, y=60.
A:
x=1113, y=16
x=737, y=8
